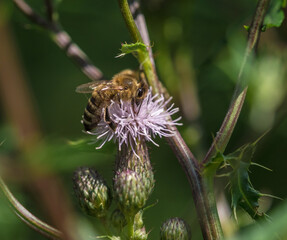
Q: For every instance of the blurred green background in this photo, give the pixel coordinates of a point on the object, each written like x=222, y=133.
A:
x=198, y=47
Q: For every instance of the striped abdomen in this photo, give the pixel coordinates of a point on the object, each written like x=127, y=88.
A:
x=101, y=98
x=93, y=113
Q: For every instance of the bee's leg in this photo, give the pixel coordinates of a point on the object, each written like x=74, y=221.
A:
x=108, y=120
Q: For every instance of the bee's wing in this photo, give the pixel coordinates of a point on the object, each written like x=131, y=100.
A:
x=89, y=87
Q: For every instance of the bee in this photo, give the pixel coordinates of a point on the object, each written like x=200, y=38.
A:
x=127, y=85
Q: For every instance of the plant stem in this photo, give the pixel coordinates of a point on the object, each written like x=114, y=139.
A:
x=224, y=134
x=29, y=218
x=146, y=64
x=202, y=193
x=125, y=9
x=130, y=227
x=252, y=40
x=206, y=212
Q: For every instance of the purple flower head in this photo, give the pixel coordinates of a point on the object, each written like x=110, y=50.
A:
x=137, y=122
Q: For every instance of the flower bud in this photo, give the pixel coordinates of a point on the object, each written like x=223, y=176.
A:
x=140, y=234
x=130, y=192
x=92, y=192
x=137, y=161
x=175, y=229
x=118, y=219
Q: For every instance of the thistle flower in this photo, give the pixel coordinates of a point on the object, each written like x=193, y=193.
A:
x=138, y=122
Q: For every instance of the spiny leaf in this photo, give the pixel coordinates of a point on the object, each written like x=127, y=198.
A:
x=134, y=48
x=243, y=193
x=211, y=167
x=275, y=15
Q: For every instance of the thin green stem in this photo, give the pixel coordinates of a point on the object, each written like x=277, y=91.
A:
x=207, y=218
x=29, y=218
x=130, y=227
x=146, y=63
x=252, y=41
x=224, y=134
x=209, y=187
x=125, y=9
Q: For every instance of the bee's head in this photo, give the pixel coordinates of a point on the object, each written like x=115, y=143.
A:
x=141, y=91
x=130, y=88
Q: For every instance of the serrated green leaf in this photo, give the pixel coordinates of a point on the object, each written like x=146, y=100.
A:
x=242, y=192
x=211, y=167
x=134, y=48
x=275, y=15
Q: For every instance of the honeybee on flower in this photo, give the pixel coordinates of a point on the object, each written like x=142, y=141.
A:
x=135, y=122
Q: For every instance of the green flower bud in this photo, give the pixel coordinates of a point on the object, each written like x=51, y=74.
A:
x=118, y=219
x=92, y=192
x=175, y=229
x=134, y=180
x=130, y=192
x=140, y=234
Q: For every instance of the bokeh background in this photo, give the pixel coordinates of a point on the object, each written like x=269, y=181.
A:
x=198, y=47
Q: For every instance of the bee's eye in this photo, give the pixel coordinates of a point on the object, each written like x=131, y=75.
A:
x=126, y=88
x=140, y=92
